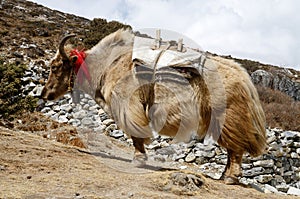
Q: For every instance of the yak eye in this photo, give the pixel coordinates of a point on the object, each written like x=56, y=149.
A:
x=54, y=68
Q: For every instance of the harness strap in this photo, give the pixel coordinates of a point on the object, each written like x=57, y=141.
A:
x=154, y=65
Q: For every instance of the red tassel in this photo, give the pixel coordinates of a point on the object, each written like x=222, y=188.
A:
x=81, y=68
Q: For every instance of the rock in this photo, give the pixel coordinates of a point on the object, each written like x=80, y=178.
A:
x=154, y=145
x=45, y=110
x=277, y=82
x=202, y=160
x=282, y=187
x=66, y=107
x=87, y=121
x=2, y=168
x=257, y=187
x=86, y=106
x=104, y=117
x=296, y=144
x=166, y=151
x=246, y=166
x=108, y=122
x=287, y=176
x=294, y=155
x=204, y=147
x=298, y=151
x=262, y=78
x=164, y=144
x=291, y=134
x=255, y=171
x=297, y=184
x=111, y=127
x=55, y=116
x=56, y=108
x=49, y=103
x=264, y=163
x=116, y=134
x=83, y=101
x=101, y=111
x=92, y=103
x=190, y=157
x=208, y=154
x=50, y=113
x=160, y=158
x=80, y=114
x=279, y=179
x=37, y=91
x=221, y=160
x=62, y=119
x=271, y=139
x=287, y=142
x=264, y=178
x=293, y=191
x=100, y=128
x=187, y=181
x=212, y=170
x=93, y=109
x=275, y=147
x=270, y=189
x=74, y=122
x=179, y=156
x=31, y=85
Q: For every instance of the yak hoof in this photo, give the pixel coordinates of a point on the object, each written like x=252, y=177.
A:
x=231, y=180
x=140, y=159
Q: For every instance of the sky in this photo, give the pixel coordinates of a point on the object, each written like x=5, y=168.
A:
x=262, y=30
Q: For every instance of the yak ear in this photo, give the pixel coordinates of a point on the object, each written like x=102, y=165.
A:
x=73, y=59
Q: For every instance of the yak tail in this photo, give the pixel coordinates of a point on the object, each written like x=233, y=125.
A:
x=245, y=125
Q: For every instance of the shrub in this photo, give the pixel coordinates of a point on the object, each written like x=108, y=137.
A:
x=280, y=109
x=11, y=99
x=100, y=28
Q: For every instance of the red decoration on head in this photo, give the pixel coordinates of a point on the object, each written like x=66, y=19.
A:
x=81, y=68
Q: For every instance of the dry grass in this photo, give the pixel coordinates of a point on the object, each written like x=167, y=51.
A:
x=280, y=109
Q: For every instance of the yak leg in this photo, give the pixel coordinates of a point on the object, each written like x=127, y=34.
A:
x=233, y=167
x=139, y=154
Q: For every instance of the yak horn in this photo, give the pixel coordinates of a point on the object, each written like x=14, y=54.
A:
x=62, y=46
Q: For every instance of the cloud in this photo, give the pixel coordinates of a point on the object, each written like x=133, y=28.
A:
x=262, y=30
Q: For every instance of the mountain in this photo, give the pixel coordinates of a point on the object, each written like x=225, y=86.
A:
x=30, y=31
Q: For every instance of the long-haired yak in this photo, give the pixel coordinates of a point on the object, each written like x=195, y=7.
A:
x=211, y=97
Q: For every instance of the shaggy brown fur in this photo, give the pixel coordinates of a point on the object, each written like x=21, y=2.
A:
x=220, y=101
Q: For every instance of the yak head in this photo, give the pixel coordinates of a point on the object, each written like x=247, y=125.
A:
x=60, y=76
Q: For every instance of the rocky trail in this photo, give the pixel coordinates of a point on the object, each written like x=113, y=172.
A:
x=35, y=167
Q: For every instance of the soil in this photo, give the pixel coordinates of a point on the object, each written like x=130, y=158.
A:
x=35, y=165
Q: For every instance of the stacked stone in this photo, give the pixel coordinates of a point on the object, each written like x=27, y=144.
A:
x=31, y=79
x=278, y=170
x=86, y=114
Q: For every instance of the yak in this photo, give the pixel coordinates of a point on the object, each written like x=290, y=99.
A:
x=217, y=100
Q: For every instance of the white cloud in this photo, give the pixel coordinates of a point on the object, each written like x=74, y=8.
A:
x=263, y=30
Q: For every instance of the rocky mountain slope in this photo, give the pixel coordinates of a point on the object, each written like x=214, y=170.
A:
x=30, y=32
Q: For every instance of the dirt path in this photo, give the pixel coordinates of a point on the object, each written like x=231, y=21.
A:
x=35, y=167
